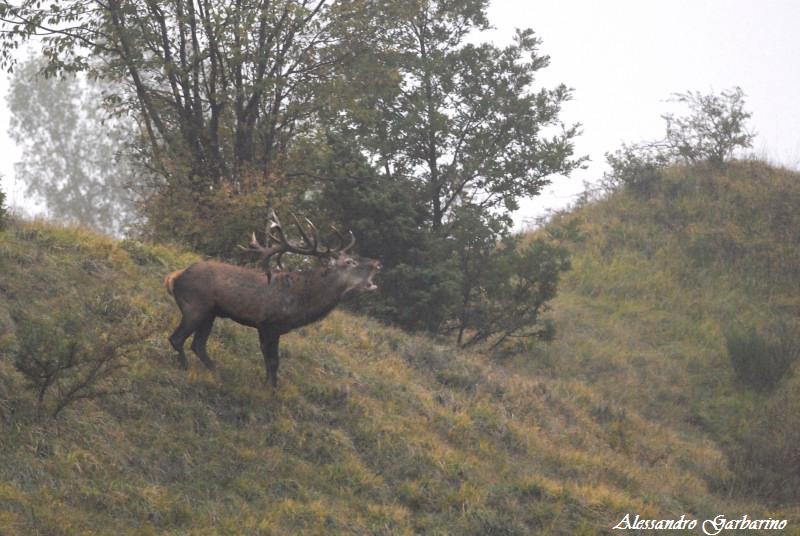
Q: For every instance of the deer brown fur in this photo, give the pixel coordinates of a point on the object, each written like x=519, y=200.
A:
x=274, y=304
x=169, y=281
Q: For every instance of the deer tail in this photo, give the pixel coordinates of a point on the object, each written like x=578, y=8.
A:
x=169, y=281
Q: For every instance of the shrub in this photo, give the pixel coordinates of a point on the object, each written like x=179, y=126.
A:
x=636, y=167
x=213, y=222
x=712, y=130
x=64, y=361
x=760, y=361
x=505, y=283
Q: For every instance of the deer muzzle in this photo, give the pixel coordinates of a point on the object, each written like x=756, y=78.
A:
x=369, y=284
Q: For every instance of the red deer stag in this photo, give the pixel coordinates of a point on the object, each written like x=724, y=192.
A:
x=274, y=304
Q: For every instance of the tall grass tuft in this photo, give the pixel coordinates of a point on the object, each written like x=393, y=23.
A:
x=760, y=361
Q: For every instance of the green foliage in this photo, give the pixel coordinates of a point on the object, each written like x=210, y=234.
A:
x=46, y=354
x=761, y=361
x=505, y=285
x=436, y=280
x=416, y=284
x=64, y=362
x=636, y=167
x=435, y=139
x=714, y=128
x=213, y=222
x=463, y=121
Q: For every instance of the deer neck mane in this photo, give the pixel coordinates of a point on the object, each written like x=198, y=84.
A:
x=320, y=282
x=306, y=296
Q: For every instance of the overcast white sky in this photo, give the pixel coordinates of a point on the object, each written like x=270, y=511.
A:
x=624, y=58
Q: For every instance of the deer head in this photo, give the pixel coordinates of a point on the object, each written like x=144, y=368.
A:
x=357, y=271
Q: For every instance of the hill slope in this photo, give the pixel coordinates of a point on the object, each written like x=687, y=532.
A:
x=372, y=431
x=660, y=285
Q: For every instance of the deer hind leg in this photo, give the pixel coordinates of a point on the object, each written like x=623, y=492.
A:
x=187, y=326
x=269, y=348
x=177, y=339
x=199, y=342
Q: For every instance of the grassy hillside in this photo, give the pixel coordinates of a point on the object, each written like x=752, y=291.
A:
x=373, y=431
x=660, y=283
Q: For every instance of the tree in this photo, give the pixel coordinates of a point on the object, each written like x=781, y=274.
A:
x=505, y=283
x=417, y=284
x=714, y=128
x=456, y=126
x=637, y=167
x=462, y=120
x=71, y=150
x=219, y=87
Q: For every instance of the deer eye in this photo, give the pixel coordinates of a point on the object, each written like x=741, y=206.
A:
x=351, y=262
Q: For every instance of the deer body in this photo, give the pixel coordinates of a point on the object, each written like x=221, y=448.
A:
x=274, y=304
x=283, y=301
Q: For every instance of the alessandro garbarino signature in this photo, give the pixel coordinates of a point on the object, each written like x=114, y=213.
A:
x=711, y=527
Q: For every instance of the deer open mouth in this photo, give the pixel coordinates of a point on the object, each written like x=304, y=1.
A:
x=369, y=285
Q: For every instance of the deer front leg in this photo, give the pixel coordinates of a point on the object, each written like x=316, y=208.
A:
x=269, y=348
x=199, y=342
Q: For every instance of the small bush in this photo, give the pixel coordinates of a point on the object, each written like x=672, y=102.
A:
x=64, y=361
x=638, y=168
x=760, y=361
x=714, y=128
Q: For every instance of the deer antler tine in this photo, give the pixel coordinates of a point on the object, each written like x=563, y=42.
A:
x=254, y=245
x=272, y=218
x=303, y=234
x=339, y=237
x=275, y=223
x=315, y=234
x=352, y=242
x=274, y=238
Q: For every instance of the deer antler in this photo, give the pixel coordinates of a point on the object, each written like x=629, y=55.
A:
x=342, y=248
x=310, y=247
